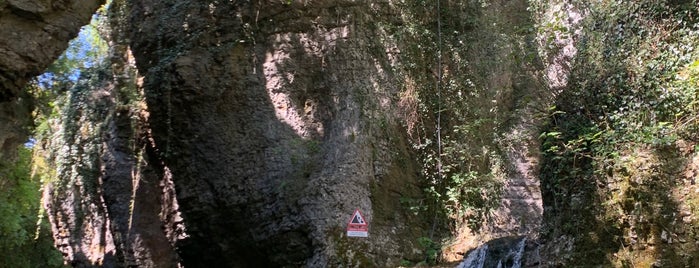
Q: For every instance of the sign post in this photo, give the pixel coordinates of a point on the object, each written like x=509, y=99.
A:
x=357, y=226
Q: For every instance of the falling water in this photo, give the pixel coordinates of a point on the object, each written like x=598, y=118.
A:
x=476, y=258
x=504, y=252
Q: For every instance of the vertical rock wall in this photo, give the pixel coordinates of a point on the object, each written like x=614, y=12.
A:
x=277, y=120
x=266, y=113
x=109, y=205
x=259, y=126
x=274, y=121
x=492, y=96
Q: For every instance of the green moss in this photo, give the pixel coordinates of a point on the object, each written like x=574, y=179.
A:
x=398, y=203
x=350, y=252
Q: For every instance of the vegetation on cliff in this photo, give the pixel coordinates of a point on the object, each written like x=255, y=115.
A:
x=273, y=123
x=26, y=230
x=26, y=238
x=470, y=92
x=623, y=133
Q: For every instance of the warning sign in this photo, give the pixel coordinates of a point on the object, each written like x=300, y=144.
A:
x=357, y=226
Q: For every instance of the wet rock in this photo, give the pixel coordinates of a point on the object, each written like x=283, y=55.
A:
x=506, y=252
x=666, y=237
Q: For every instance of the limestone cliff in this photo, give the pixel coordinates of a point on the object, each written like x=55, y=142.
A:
x=619, y=146
x=278, y=119
x=245, y=133
x=108, y=205
x=32, y=35
x=274, y=121
x=267, y=114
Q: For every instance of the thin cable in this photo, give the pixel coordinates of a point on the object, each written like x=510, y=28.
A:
x=439, y=109
x=439, y=92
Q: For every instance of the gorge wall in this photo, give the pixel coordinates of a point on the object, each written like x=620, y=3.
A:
x=252, y=130
x=109, y=205
x=245, y=133
x=281, y=137
x=277, y=120
x=618, y=147
x=32, y=35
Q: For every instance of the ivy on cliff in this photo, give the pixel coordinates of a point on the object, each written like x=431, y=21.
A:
x=25, y=238
x=632, y=88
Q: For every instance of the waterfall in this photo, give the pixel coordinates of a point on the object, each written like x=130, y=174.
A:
x=506, y=252
x=517, y=258
x=476, y=258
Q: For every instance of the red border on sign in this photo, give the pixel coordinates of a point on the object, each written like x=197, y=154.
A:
x=357, y=226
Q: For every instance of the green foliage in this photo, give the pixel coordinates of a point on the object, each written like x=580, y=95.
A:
x=61, y=95
x=463, y=175
x=25, y=240
x=430, y=248
x=405, y=263
x=415, y=206
x=78, y=70
x=633, y=87
x=23, y=230
x=472, y=193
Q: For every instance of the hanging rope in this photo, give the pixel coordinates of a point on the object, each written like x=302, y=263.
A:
x=439, y=109
x=439, y=92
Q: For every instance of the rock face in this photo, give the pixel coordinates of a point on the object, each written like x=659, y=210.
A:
x=253, y=129
x=266, y=115
x=611, y=199
x=266, y=124
x=109, y=206
x=277, y=120
x=33, y=33
x=260, y=127
x=501, y=91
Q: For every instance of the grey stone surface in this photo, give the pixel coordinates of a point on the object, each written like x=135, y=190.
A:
x=266, y=115
x=33, y=33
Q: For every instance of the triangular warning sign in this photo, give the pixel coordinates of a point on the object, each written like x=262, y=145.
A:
x=357, y=226
x=357, y=218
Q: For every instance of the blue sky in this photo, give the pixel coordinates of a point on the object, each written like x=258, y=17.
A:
x=85, y=51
